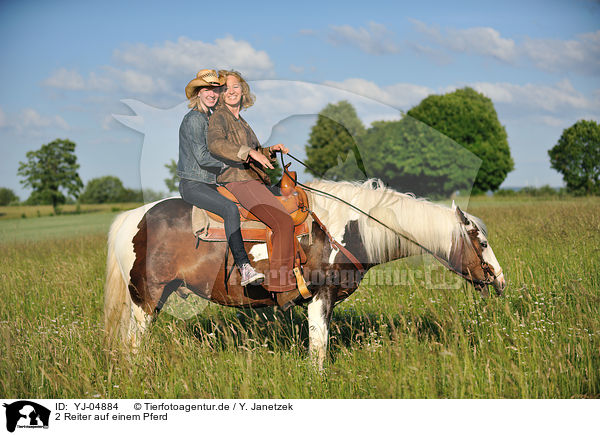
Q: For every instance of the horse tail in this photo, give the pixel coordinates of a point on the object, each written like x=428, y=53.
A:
x=117, y=302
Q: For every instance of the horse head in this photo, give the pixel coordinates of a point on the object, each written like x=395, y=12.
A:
x=472, y=256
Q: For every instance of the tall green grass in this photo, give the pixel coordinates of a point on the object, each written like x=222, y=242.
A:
x=405, y=340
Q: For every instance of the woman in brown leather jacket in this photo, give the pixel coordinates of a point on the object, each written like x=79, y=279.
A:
x=231, y=139
x=198, y=169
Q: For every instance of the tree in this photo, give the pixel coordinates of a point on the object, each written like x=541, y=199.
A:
x=7, y=196
x=172, y=182
x=577, y=157
x=410, y=156
x=470, y=119
x=335, y=134
x=51, y=168
x=132, y=195
x=102, y=190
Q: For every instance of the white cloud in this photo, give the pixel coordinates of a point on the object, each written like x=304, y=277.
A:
x=297, y=69
x=135, y=82
x=61, y=123
x=376, y=39
x=187, y=56
x=101, y=81
x=73, y=81
x=65, y=79
x=579, y=55
x=31, y=119
x=401, y=95
x=439, y=56
x=552, y=98
x=536, y=99
x=484, y=41
x=164, y=70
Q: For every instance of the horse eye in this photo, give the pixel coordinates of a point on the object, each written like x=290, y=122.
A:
x=483, y=244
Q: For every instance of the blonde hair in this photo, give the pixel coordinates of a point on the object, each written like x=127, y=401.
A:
x=248, y=98
x=195, y=102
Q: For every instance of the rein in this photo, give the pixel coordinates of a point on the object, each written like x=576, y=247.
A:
x=485, y=266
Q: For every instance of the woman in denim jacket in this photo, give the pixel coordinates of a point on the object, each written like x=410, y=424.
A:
x=198, y=169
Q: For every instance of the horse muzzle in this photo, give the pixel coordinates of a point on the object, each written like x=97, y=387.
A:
x=499, y=284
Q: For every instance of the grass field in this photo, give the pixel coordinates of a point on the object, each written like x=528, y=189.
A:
x=29, y=211
x=542, y=340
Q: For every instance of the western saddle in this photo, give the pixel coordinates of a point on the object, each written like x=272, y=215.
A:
x=209, y=227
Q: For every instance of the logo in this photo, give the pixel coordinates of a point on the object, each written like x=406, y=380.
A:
x=26, y=414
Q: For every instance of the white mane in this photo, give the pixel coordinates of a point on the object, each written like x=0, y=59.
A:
x=434, y=226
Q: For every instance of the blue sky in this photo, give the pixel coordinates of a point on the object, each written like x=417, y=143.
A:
x=67, y=66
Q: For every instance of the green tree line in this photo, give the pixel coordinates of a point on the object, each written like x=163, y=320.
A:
x=446, y=143
x=52, y=174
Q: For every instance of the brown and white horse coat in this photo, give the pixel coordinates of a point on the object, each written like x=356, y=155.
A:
x=151, y=253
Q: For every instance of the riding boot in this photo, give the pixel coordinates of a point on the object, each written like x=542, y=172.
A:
x=287, y=300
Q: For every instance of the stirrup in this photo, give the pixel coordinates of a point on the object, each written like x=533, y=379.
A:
x=302, y=288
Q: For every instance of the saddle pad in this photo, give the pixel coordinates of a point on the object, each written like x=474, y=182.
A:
x=210, y=230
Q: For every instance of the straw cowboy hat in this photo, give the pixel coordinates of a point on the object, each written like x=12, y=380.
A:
x=205, y=77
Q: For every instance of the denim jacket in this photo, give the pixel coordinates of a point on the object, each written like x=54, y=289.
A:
x=195, y=161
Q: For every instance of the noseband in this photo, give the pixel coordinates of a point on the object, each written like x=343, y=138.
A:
x=487, y=268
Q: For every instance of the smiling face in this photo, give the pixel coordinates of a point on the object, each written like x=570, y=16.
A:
x=233, y=91
x=209, y=96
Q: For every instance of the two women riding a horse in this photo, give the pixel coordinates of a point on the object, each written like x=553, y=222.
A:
x=151, y=251
x=217, y=146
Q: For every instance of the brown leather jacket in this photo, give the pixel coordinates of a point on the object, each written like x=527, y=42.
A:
x=230, y=139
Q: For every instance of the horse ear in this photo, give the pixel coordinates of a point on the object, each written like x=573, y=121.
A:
x=453, y=205
x=462, y=216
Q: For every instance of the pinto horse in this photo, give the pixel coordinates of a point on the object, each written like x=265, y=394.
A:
x=152, y=253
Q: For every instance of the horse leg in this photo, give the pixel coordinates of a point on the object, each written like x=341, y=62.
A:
x=319, y=317
x=140, y=320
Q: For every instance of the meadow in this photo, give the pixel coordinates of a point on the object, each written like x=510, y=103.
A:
x=398, y=336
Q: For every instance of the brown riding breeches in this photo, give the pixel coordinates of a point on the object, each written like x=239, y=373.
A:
x=258, y=200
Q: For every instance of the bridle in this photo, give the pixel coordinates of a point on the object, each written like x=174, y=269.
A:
x=488, y=270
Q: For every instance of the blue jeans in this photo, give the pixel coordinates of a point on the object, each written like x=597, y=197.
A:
x=205, y=196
